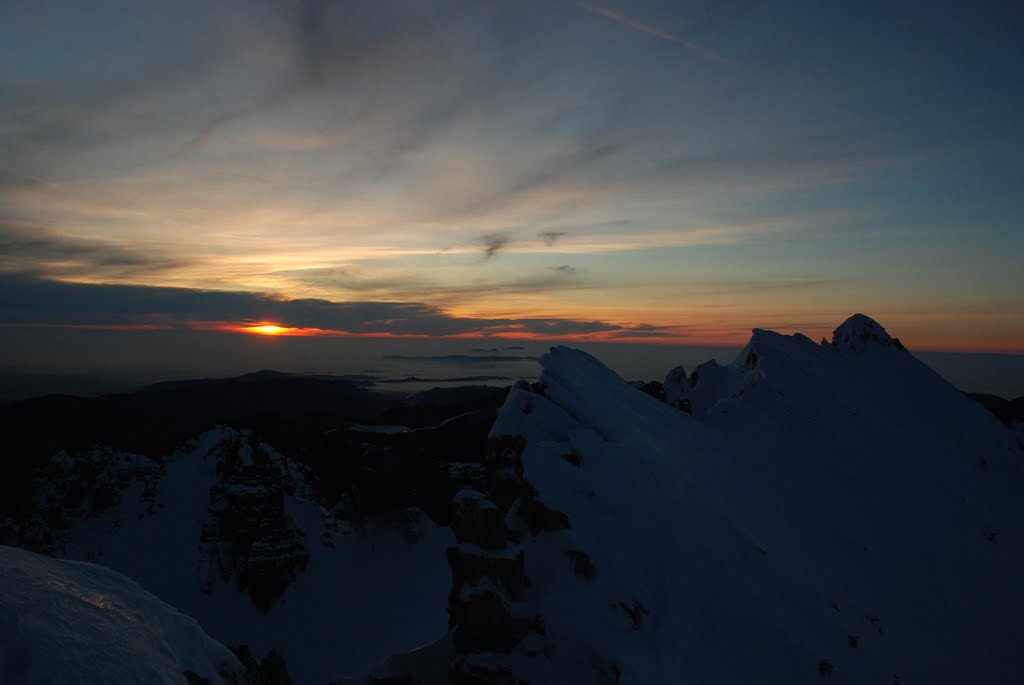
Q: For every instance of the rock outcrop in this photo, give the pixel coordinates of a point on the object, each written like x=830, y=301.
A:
x=248, y=535
x=489, y=616
x=860, y=332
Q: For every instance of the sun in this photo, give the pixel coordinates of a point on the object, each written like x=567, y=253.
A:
x=274, y=330
x=267, y=329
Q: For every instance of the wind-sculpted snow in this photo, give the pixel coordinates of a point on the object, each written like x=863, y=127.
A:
x=75, y=622
x=828, y=510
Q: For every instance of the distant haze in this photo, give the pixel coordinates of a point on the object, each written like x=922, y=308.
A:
x=88, y=361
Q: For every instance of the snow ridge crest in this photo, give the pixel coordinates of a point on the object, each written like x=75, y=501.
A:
x=860, y=332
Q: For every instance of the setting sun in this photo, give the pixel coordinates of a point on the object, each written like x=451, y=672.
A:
x=268, y=329
x=272, y=329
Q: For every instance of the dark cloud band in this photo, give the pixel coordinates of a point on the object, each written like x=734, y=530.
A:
x=27, y=300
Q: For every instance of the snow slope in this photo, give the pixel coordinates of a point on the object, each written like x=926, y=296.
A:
x=363, y=596
x=832, y=510
x=74, y=622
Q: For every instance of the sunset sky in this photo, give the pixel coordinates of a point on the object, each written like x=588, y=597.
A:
x=616, y=171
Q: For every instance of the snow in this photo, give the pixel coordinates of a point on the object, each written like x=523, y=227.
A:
x=469, y=496
x=820, y=492
x=67, y=621
x=363, y=597
x=860, y=331
x=832, y=504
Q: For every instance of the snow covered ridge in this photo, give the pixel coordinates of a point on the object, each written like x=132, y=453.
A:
x=247, y=533
x=807, y=510
x=229, y=531
x=67, y=621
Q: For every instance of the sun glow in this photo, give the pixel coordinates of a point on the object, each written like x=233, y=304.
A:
x=269, y=329
x=272, y=330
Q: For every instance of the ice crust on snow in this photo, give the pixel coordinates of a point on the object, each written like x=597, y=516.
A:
x=76, y=622
x=814, y=500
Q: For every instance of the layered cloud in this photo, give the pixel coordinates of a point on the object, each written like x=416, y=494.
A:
x=30, y=247
x=511, y=166
x=32, y=302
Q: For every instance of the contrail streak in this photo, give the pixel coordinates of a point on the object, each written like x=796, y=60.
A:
x=647, y=28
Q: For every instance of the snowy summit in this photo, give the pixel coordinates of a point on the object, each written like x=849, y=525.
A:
x=804, y=511
x=859, y=331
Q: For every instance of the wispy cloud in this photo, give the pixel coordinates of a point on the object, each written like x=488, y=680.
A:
x=647, y=28
x=540, y=171
x=493, y=243
x=470, y=156
x=31, y=247
x=551, y=237
x=457, y=287
x=708, y=287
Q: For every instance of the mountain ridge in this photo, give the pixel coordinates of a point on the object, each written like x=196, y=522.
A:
x=806, y=510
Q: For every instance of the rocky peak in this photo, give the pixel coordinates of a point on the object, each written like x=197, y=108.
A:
x=678, y=390
x=860, y=332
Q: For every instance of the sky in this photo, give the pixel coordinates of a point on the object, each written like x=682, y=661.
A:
x=659, y=172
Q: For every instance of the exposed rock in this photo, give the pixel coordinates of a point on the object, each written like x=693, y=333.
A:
x=652, y=388
x=860, y=332
x=678, y=390
x=573, y=457
x=471, y=566
x=466, y=671
x=537, y=516
x=478, y=520
x=79, y=486
x=485, y=622
x=271, y=670
x=488, y=618
x=404, y=679
x=409, y=522
x=582, y=565
x=247, y=534
x=636, y=611
x=504, y=470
